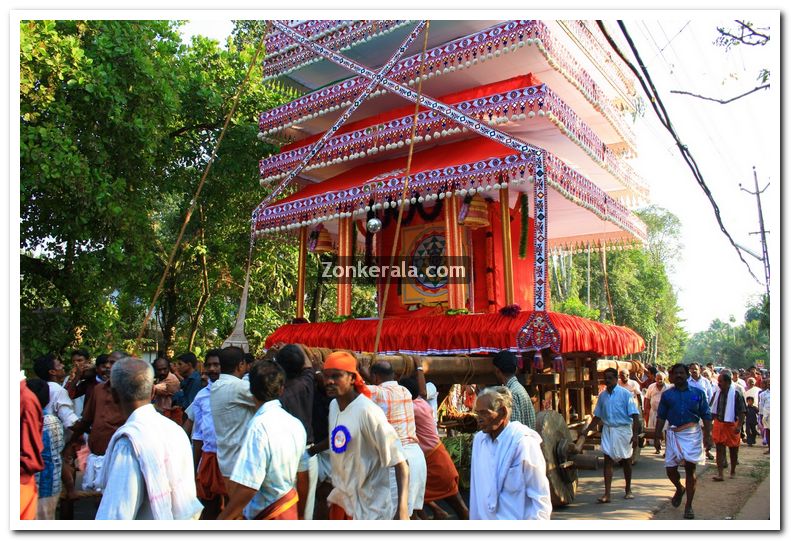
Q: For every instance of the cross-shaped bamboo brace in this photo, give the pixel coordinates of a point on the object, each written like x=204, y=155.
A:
x=539, y=187
x=376, y=78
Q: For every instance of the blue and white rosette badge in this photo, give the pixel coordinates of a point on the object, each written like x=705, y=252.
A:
x=340, y=439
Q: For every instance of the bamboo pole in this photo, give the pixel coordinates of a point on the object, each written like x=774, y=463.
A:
x=344, y=301
x=508, y=264
x=303, y=253
x=456, y=292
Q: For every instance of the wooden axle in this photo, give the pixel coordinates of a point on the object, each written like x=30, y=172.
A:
x=448, y=369
x=440, y=370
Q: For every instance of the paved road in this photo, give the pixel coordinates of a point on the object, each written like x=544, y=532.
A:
x=651, y=488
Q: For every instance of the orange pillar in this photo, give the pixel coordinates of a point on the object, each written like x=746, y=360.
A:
x=344, y=304
x=453, y=251
x=508, y=264
x=303, y=254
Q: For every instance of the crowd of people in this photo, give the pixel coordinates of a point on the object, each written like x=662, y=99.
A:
x=270, y=439
x=282, y=438
x=753, y=401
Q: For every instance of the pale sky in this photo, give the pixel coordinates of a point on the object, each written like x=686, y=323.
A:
x=725, y=140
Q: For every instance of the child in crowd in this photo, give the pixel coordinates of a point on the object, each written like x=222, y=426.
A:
x=751, y=421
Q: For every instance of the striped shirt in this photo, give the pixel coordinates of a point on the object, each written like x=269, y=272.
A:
x=396, y=401
x=523, y=410
x=48, y=480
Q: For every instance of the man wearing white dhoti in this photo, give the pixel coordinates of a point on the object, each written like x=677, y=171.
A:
x=617, y=411
x=396, y=402
x=728, y=411
x=149, y=470
x=508, y=479
x=652, y=396
x=683, y=407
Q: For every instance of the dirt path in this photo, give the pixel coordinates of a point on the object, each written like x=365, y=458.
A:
x=718, y=501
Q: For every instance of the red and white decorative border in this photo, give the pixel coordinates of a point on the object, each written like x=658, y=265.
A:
x=458, y=54
x=283, y=56
x=514, y=105
x=459, y=180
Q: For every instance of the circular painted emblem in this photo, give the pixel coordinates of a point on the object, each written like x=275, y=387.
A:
x=340, y=439
x=428, y=251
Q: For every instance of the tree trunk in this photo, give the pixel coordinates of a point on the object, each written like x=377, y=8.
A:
x=205, y=292
x=318, y=293
x=169, y=313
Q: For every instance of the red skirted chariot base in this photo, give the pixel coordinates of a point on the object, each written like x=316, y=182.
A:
x=467, y=334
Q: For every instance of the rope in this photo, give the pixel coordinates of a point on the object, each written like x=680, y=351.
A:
x=468, y=374
x=409, y=365
x=406, y=187
x=194, y=200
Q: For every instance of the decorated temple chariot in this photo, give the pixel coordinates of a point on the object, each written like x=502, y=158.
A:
x=471, y=152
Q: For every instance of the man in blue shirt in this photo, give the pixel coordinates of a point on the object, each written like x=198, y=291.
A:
x=191, y=383
x=617, y=411
x=272, y=459
x=683, y=407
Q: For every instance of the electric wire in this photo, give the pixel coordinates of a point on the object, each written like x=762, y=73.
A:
x=659, y=108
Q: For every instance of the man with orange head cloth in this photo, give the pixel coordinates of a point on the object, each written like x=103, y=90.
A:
x=363, y=447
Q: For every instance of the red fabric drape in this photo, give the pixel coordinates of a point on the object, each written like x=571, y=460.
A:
x=473, y=333
x=523, y=268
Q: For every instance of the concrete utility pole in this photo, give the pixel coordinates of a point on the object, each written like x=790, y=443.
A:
x=764, y=253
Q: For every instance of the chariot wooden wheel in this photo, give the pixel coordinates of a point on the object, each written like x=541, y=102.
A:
x=636, y=449
x=557, y=447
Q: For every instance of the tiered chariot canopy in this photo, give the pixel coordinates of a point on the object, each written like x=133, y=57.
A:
x=508, y=107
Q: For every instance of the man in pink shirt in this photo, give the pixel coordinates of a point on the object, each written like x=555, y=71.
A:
x=442, y=479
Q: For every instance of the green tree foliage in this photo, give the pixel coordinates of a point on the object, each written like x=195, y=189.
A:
x=118, y=120
x=734, y=346
x=94, y=97
x=640, y=293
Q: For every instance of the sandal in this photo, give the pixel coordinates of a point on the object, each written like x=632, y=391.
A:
x=689, y=513
x=677, y=497
x=718, y=479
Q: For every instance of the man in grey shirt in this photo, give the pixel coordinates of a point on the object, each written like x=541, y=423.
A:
x=505, y=371
x=232, y=407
